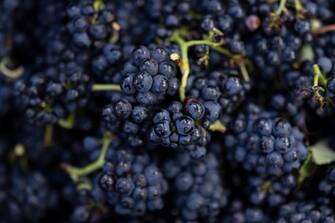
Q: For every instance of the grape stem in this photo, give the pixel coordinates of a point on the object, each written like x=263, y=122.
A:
x=237, y=59
x=281, y=7
x=275, y=16
x=106, y=87
x=318, y=79
x=48, y=136
x=299, y=8
x=78, y=172
x=325, y=29
x=183, y=60
x=183, y=64
x=244, y=72
x=10, y=73
x=67, y=123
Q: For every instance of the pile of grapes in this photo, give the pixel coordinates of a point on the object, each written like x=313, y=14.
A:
x=160, y=111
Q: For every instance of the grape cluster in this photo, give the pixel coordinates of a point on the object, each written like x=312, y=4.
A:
x=176, y=127
x=326, y=186
x=300, y=211
x=25, y=197
x=240, y=213
x=130, y=183
x=130, y=120
x=150, y=76
x=270, y=191
x=91, y=23
x=48, y=99
x=106, y=61
x=265, y=143
x=229, y=19
x=289, y=108
x=197, y=186
x=219, y=91
x=83, y=210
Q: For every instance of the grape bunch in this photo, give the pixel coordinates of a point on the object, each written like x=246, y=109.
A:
x=264, y=143
x=131, y=183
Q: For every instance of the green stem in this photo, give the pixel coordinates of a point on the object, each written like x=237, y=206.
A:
x=184, y=60
x=183, y=63
x=77, y=172
x=244, y=72
x=281, y=7
x=106, y=87
x=48, y=136
x=67, y=123
x=217, y=126
x=84, y=184
x=237, y=59
x=318, y=77
x=223, y=51
x=298, y=6
x=203, y=42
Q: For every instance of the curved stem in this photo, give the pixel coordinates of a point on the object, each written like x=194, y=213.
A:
x=67, y=123
x=77, y=172
x=275, y=16
x=184, y=60
x=318, y=77
x=281, y=7
x=84, y=184
x=183, y=64
x=106, y=87
x=10, y=73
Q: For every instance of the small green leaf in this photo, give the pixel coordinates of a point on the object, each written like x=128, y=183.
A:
x=319, y=154
x=307, y=169
x=322, y=153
